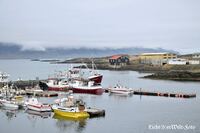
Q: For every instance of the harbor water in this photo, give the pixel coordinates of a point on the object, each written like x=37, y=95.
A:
x=139, y=114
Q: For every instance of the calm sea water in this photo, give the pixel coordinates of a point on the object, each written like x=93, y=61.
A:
x=123, y=114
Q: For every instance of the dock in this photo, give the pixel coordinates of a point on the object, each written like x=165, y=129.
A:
x=47, y=94
x=160, y=94
x=164, y=94
x=43, y=94
x=22, y=84
x=93, y=112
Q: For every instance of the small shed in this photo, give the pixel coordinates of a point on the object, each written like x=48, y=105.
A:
x=119, y=60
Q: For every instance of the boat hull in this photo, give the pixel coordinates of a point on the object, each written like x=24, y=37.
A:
x=58, y=88
x=39, y=108
x=10, y=105
x=97, y=91
x=121, y=92
x=74, y=115
x=48, y=87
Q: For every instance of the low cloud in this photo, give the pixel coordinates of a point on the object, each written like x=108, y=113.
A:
x=36, y=46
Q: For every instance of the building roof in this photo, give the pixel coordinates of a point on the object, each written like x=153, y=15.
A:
x=115, y=57
x=156, y=53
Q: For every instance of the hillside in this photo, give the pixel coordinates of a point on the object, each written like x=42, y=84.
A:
x=12, y=50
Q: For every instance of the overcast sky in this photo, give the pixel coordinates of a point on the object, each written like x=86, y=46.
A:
x=170, y=24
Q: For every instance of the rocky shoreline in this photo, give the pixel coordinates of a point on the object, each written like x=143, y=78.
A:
x=175, y=75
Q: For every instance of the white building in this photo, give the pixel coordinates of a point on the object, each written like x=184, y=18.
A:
x=194, y=62
x=177, y=61
x=156, y=58
x=196, y=56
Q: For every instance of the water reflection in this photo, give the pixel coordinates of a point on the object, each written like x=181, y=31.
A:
x=65, y=123
x=35, y=114
x=10, y=114
x=119, y=96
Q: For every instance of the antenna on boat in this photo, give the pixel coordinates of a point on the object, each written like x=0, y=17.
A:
x=94, y=67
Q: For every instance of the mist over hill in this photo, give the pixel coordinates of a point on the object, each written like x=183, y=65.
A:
x=15, y=51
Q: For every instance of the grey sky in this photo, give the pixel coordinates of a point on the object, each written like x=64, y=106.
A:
x=171, y=24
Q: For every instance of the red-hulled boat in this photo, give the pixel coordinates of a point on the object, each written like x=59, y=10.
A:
x=94, y=74
x=97, y=78
x=88, y=87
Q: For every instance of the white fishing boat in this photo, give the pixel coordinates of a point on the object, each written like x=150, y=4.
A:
x=9, y=104
x=121, y=90
x=74, y=73
x=33, y=104
x=61, y=101
x=33, y=91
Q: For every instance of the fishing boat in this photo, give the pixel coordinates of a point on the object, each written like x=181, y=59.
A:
x=33, y=91
x=97, y=78
x=86, y=87
x=9, y=104
x=54, y=84
x=70, y=109
x=7, y=100
x=93, y=74
x=74, y=73
x=118, y=89
x=18, y=97
x=33, y=104
x=72, y=112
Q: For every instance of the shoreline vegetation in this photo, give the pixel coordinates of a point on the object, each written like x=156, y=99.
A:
x=165, y=72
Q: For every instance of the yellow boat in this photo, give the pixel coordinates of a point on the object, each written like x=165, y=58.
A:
x=18, y=97
x=72, y=112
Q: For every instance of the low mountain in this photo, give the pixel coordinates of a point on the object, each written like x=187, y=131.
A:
x=15, y=51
